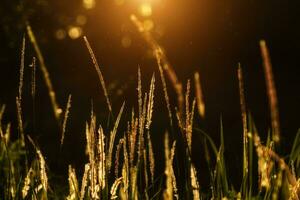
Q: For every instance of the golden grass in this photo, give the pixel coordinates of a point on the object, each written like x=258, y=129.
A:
x=20, y=120
x=84, y=181
x=112, y=137
x=244, y=119
x=168, y=192
x=42, y=167
x=27, y=182
x=199, y=95
x=134, y=153
x=163, y=80
x=64, y=124
x=33, y=77
x=56, y=109
x=99, y=73
x=271, y=91
x=22, y=64
x=73, y=184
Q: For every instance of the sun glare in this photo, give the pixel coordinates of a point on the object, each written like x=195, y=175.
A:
x=145, y=9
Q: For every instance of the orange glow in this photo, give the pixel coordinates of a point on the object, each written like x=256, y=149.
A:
x=145, y=9
x=148, y=25
x=126, y=41
x=89, y=4
x=74, y=32
x=119, y=2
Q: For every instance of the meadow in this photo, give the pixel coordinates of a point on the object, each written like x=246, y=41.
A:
x=122, y=164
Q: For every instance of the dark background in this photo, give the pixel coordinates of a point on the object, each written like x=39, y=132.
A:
x=209, y=36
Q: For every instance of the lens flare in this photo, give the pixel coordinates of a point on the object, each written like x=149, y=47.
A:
x=119, y=2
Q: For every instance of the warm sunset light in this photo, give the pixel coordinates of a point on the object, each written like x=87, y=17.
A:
x=119, y=2
x=149, y=100
x=89, y=4
x=145, y=9
x=74, y=32
x=148, y=25
x=126, y=41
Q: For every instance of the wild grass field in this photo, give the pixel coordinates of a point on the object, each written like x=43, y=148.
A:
x=122, y=165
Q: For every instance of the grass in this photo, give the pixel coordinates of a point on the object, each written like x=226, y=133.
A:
x=124, y=167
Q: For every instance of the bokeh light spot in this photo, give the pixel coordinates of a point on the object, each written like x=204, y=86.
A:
x=145, y=9
x=60, y=34
x=81, y=20
x=126, y=41
x=74, y=32
x=89, y=4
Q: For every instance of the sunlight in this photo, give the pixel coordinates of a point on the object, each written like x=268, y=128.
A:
x=74, y=32
x=89, y=4
x=148, y=25
x=126, y=41
x=145, y=9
